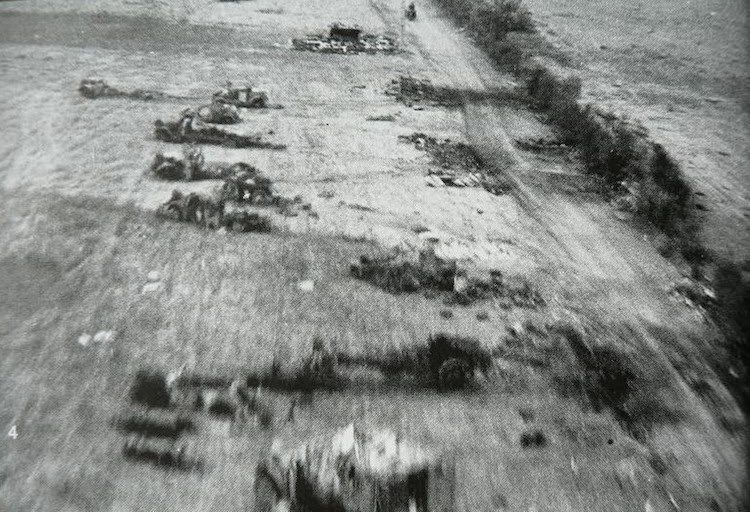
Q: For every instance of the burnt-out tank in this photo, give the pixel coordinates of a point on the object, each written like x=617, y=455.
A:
x=355, y=470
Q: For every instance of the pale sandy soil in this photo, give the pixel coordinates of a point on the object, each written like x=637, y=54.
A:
x=78, y=238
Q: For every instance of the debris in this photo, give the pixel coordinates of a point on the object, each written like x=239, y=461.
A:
x=446, y=153
x=84, y=339
x=153, y=276
x=346, y=39
x=410, y=91
x=541, y=144
x=451, y=179
x=398, y=272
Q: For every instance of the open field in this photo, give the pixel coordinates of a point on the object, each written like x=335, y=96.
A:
x=79, y=237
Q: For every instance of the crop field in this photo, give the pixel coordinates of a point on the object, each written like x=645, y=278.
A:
x=95, y=287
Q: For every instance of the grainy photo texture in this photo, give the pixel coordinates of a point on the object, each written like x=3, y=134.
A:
x=374, y=255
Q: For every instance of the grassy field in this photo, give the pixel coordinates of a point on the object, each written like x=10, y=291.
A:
x=680, y=69
x=78, y=238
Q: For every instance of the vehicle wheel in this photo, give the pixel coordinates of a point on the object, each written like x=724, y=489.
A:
x=266, y=494
x=453, y=374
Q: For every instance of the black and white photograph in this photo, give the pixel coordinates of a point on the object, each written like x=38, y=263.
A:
x=374, y=255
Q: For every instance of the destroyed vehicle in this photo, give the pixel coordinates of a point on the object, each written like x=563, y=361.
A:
x=247, y=185
x=219, y=113
x=209, y=212
x=196, y=208
x=192, y=130
x=355, y=471
x=242, y=97
x=93, y=88
x=192, y=166
x=173, y=168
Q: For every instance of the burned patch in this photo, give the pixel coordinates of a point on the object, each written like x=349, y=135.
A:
x=399, y=273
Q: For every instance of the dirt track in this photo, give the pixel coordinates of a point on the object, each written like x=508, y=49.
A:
x=79, y=236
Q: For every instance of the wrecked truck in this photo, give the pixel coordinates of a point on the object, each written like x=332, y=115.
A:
x=355, y=471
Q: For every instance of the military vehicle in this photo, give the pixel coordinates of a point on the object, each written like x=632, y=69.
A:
x=355, y=471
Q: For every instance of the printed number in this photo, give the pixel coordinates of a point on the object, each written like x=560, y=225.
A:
x=13, y=433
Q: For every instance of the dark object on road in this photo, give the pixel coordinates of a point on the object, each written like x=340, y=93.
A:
x=354, y=470
x=190, y=129
x=411, y=12
x=150, y=389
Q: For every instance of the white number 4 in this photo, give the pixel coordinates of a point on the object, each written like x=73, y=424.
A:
x=13, y=433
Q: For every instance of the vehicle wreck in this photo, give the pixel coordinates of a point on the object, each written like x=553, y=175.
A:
x=355, y=470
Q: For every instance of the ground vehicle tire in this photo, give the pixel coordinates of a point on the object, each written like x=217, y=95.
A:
x=453, y=374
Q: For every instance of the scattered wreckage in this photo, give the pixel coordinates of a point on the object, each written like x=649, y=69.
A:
x=413, y=91
x=355, y=470
x=192, y=130
x=342, y=38
x=93, y=88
